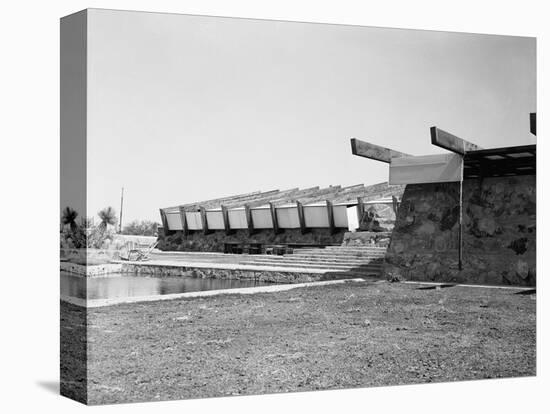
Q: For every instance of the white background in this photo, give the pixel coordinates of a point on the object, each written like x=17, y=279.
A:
x=29, y=129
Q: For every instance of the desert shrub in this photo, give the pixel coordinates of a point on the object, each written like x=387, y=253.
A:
x=141, y=228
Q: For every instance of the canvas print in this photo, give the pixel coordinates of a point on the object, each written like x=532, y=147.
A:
x=252, y=207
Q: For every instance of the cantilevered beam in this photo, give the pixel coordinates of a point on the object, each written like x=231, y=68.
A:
x=164, y=222
x=249, y=221
x=374, y=152
x=451, y=142
x=395, y=204
x=301, y=218
x=360, y=209
x=330, y=216
x=204, y=220
x=184, y=224
x=225, y=216
x=274, y=220
x=459, y=146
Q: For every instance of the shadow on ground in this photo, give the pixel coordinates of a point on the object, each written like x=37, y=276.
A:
x=51, y=386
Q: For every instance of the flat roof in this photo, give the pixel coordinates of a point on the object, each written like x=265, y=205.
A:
x=501, y=162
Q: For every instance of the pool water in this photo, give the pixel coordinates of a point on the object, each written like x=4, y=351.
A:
x=123, y=286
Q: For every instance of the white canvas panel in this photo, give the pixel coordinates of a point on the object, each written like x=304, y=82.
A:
x=352, y=218
x=261, y=217
x=174, y=221
x=194, y=221
x=438, y=168
x=214, y=219
x=288, y=217
x=340, y=216
x=237, y=218
x=316, y=216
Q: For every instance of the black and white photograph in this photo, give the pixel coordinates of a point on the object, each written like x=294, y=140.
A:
x=254, y=206
x=271, y=206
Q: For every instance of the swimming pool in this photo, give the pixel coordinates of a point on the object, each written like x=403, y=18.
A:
x=124, y=285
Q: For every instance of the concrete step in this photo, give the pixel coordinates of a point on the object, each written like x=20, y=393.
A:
x=314, y=265
x=315, y=260
x=354, y=248
x=344, y=249
x=335, y=257
x=340, y=251
x=190, y=254
x=332, y=260
x=317, y=255
x=329, y=254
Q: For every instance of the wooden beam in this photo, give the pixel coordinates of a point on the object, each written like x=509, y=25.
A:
x=450, y=142
x=462, y=147
x=360, y=209
x=460, y=225
x=395, y=205
x=330, y=216
x=249, y=221
x=184, y=225
x=533, y=122
x=274, y=220
x=301, y=218
x=226, y=224
x=204, y=220
x=165, y=228
x=374, y=152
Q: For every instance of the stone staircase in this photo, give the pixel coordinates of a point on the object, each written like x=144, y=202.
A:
x=361, y=254
x=352, y=261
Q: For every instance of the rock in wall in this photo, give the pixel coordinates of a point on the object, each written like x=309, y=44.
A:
x=377, y=218
x=366, y=238
x=499, y=232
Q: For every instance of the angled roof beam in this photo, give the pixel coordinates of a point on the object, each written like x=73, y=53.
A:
x=194, y=205
x=374, y=152
x=266, y=200
x=291, y=198
x=320, y=195
x=450, y=142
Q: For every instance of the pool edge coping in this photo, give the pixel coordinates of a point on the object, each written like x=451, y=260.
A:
x=97, y=303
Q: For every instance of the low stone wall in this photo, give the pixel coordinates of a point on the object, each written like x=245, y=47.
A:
x=159, y=270
x=91, y=270
x=214, y=242
x=367, y=238
x=89, y=255
x=231, y=274
x=499, y=232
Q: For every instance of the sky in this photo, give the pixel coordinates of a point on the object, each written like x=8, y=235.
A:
x=186, y=108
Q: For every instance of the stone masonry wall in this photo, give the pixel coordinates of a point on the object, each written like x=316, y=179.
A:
x=499, y=223
x=270, y=276
x=214, y=242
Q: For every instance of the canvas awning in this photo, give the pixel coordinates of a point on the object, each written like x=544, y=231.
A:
x=438, y=168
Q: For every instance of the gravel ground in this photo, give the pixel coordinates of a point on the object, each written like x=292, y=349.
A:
x=339, y=336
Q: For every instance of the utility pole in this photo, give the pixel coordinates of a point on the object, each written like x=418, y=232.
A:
x=121, y=204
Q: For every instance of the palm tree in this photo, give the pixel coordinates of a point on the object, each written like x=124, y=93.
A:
x=69, y=217
x=87, y=222
x=108, y=217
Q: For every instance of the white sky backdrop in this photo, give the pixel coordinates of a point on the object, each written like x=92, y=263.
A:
x=184, y=108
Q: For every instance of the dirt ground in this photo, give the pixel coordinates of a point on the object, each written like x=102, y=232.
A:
x=339, y=336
